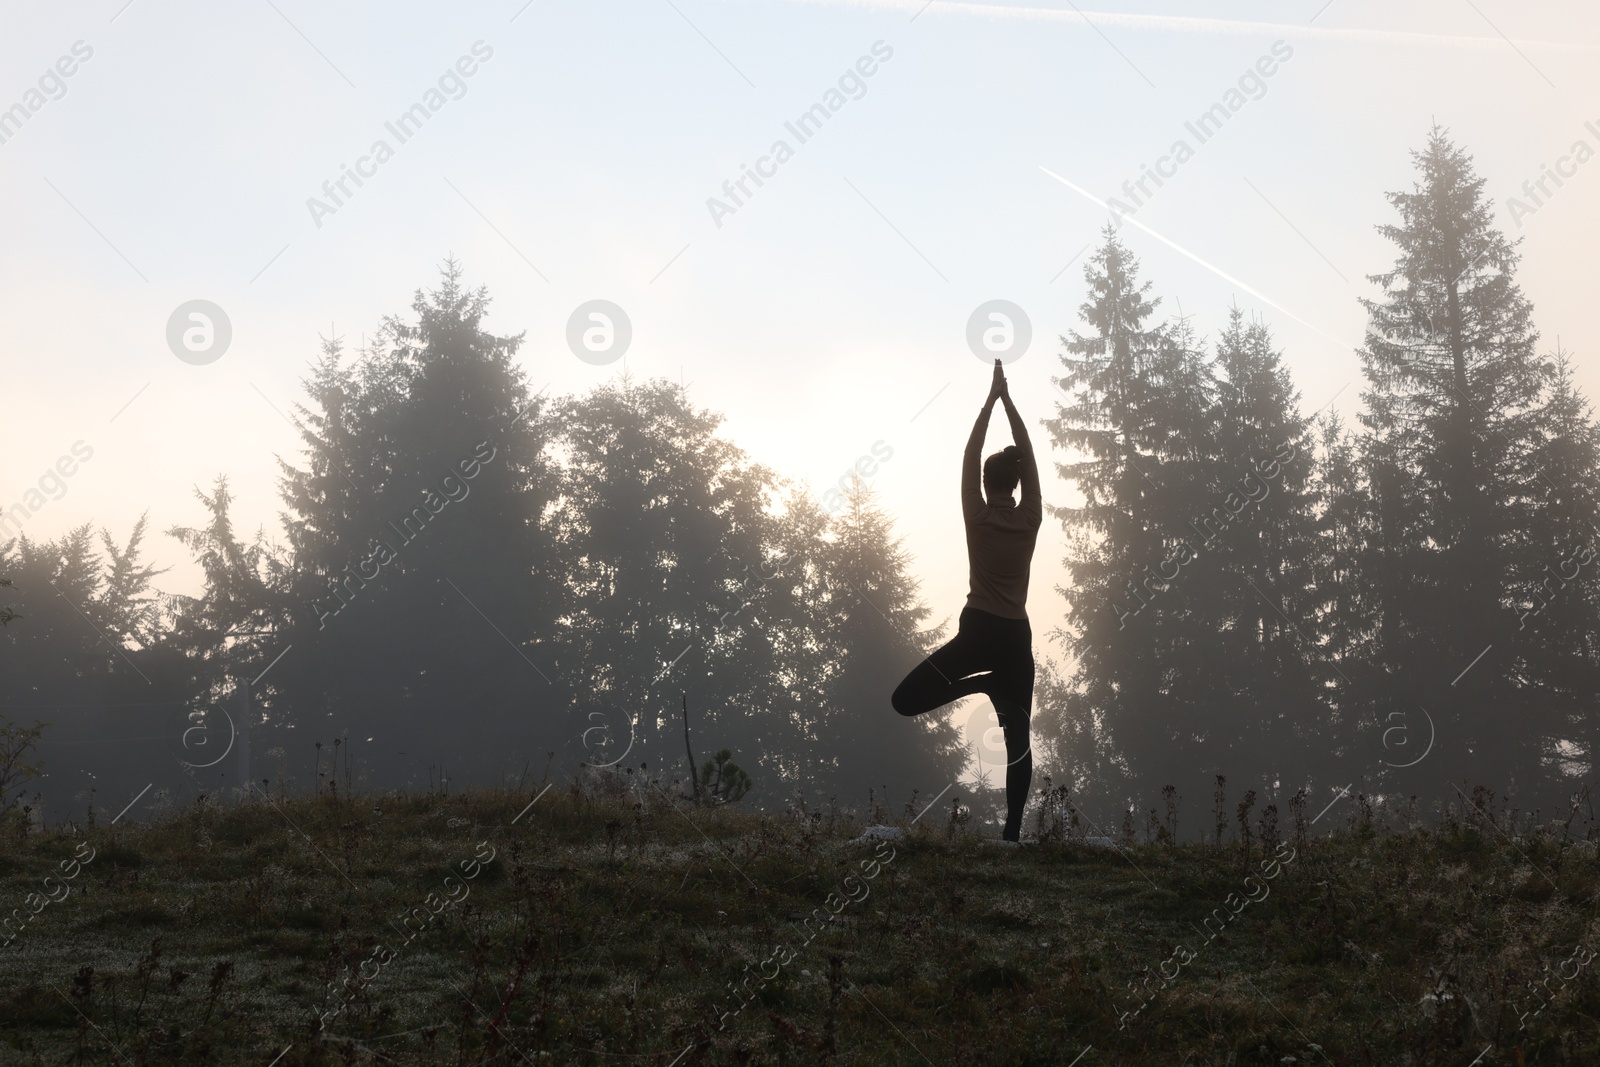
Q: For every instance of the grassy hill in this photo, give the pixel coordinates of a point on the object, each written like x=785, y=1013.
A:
x=608, y=924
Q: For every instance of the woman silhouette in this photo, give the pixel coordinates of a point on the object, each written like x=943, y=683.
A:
x=992, y=652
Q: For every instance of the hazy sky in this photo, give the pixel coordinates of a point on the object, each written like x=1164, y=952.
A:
x=827, y=311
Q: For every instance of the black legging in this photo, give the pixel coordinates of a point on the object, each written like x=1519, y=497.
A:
x=994, y=656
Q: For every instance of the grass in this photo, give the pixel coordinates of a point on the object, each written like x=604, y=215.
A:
x=612, y=922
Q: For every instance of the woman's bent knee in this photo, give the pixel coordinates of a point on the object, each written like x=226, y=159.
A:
x=909, y=699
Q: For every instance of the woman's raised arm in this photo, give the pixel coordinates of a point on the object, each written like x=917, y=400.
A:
x=972, y=463
x=972, y=460
x=1031, y=497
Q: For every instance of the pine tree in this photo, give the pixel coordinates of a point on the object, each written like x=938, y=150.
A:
x=871, y=622
x=1346, y=594
x=1453, y=383
x=665, y=539
x=1186, y=621
x=1138, y=433
x=325, y=503
x=1557, y=645
x=1073, y=749
x=225, y=633
x=1255, y=624
x=79, y=642
x=425, y=591
x=795, y=610
x=127, y=596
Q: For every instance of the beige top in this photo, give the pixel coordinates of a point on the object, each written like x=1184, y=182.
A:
x=1000, y=539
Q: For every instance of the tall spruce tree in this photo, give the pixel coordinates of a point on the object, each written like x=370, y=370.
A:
x=871, y=621
x=1557, y=649
x=1256, y=628
x=1453, y=383
x=1346, y=594
x=425, y=594
x=1119, y=427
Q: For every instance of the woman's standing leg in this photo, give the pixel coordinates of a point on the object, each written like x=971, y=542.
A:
x=1012, y=696
x=1015, y=720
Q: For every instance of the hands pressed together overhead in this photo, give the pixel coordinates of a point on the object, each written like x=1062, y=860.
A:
x=998, y=390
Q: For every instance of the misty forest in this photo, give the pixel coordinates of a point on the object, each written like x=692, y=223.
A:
x=1260, y=592
x=1375, y=643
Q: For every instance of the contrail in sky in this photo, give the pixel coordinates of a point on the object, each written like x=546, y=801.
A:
x=1230, y=279
x=1191, y=24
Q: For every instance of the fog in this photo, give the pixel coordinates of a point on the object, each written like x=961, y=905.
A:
x=742, y=263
